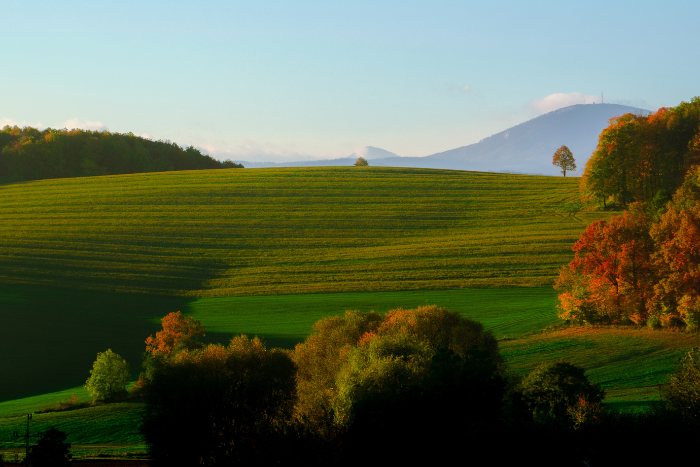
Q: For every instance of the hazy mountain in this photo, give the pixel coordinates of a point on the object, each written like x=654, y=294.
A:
x=372, y=153
x=524, y=148
x=528, y=147
x=368, y=152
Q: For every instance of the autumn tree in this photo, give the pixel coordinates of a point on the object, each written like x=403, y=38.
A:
x=109, y=376
x=676, y=298
x=361, y=161
x=179, y=333
x=564, y=159
x=640, y=155
x=220, y=405
x=611, y=276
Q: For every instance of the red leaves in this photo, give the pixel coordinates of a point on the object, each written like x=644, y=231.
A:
x=611, y=274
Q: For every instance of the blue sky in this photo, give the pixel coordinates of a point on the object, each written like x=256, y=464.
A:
x=272, y=80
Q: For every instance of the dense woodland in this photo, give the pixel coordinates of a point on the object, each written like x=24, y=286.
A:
x=639, y=157
x=31, y=154
x=643, y=266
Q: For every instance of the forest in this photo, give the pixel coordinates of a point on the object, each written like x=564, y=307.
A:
x=31, y=154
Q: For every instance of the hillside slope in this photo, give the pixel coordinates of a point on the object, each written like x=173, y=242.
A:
x=296, y=230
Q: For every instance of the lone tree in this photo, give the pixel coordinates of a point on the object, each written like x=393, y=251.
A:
x=564, y=159
x=51, y=450
x=361, y=161
x=109, y=376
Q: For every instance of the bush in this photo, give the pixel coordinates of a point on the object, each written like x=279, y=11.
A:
x=561, y=393
x=108, y=377
x=52, y=450
x=400, y=382
x=219, y=405
x=682, y=394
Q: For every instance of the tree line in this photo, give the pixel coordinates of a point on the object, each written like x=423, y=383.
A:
x=639, y=157
x=31, y=154
x=642, y=266
x=410, y=385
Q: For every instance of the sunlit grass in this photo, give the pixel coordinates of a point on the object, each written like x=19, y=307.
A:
x=295, y=230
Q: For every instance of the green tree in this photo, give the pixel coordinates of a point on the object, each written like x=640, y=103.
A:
x=560, y=392
x=361, y=161
x=682, y=394
x=109, y=376
x=564, y=159
x=52, y=450
x=396, y=369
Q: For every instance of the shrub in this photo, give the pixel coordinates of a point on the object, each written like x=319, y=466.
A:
x=561, y=393
x=219, y=405
x=52, y=450
x=682, y=394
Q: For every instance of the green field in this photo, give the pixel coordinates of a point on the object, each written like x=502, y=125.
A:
x=93, y=263
x=284, y=231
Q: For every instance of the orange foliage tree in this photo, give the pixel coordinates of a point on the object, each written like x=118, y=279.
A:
x=610, y=278
x=638, y=156
x=677, y=237
x=179, y=333
x=636, y=269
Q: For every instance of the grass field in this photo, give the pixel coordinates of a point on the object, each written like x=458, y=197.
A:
x=283, y=231
x=94, y=263
x=50, y=337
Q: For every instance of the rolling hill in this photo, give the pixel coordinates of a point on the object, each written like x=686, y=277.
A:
x=93, y=263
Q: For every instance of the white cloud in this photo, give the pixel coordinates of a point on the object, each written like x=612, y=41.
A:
x=253, y=151
x=457, y=89
x=74, y=123
x=361, y=151
x=558, y=100
x=4, y=121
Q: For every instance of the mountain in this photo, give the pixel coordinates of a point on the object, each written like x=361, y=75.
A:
x=525, y=148
x=528, y=147
x=368, y=152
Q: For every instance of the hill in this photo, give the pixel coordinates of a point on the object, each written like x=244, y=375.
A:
x=295, y=230
x=93, y=263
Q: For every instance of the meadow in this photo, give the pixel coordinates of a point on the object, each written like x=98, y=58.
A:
x=88, y=264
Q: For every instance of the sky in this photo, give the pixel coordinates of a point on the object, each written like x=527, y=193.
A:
x=282, y=81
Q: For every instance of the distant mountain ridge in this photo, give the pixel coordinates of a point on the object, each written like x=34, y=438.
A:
x=524, y=148
x=529, y=146
x=368, y=152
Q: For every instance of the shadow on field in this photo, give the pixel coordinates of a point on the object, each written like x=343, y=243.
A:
x=50, y=337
